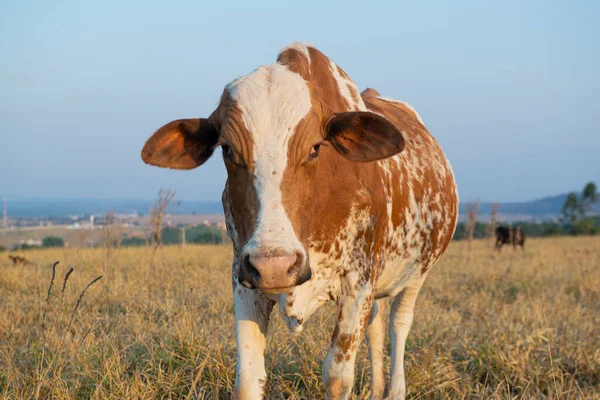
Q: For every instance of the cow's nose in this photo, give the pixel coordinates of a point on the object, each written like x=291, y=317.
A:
x=271, y=272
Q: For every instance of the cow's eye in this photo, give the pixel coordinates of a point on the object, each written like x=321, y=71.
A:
x=227, y=152
x=314, y=151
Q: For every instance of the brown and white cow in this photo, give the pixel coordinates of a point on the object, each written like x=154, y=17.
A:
x=331, y=195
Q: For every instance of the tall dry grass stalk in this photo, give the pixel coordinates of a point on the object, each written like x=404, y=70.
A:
x=478, y=333
x=79, y=243
x=52, y=358
x=157, y=214
x=491, y=228
x=112, y=235
x=472, y=211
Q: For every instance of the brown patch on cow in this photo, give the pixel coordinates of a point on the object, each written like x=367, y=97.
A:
x=325, y=93
x=366, y=316
x=339, y=357
x=326, y=247
x=297, y=59
x=240, y=200
x=345, y=342
x=300, y=176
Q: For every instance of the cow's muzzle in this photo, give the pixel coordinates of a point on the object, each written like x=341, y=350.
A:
x=273, y=270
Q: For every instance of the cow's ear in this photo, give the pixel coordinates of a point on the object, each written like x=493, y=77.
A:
x=181, y=144
x=364, y=136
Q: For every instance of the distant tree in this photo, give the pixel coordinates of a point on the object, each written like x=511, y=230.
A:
x=550, y=229
x=26, y=246
x=576, y=207
x=2, y=249
x=134, y=241
x=53, y=241
x=589, y=197
x=480, y=230
x=571, y=209
x=201, y=234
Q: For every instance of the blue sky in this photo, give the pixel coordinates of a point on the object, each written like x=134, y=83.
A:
x=510, y=89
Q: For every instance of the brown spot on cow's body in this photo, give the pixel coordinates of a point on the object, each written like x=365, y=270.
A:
x=345, y=342
x=325, y=93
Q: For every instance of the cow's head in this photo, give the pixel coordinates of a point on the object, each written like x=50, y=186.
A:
x=270, y=125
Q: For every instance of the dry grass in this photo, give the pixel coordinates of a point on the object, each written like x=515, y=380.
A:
x=502, y=326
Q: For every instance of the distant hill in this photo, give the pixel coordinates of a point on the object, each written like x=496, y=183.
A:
x=541, y=209
x=27, y=207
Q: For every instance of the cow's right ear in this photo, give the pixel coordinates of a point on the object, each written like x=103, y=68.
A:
x=364, y=136
x=181, y=144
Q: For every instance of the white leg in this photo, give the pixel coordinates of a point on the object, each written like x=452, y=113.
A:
x=401, y=316
x=339, y=365
x=375, y=339
x=252, y=311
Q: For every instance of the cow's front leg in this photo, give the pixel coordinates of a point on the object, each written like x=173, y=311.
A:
x=338, y=367
x=252, y=311
x=401, y=317
x=375, y=335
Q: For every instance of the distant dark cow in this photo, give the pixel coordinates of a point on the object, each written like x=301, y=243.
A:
x=505, y=235
x=16, y=259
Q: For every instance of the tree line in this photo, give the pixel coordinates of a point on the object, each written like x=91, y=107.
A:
x=576, y=211
x=200, y=234
x=576, y=219
x=47, y=242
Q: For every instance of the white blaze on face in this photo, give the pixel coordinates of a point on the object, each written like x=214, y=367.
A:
x=272, y=100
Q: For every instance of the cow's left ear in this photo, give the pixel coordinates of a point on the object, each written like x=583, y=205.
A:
x=364, y=136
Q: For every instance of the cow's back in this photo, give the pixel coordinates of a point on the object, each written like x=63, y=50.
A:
x=421, y=199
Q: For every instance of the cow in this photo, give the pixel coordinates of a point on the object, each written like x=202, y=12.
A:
x=506, y=235
x=331, y=195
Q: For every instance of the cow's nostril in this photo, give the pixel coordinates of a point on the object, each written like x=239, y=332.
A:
x=250, y=269
x=296, y=266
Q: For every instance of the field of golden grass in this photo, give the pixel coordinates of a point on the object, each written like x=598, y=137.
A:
x=487, y=326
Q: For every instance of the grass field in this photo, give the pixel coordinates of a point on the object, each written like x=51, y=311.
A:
x=487, y=325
